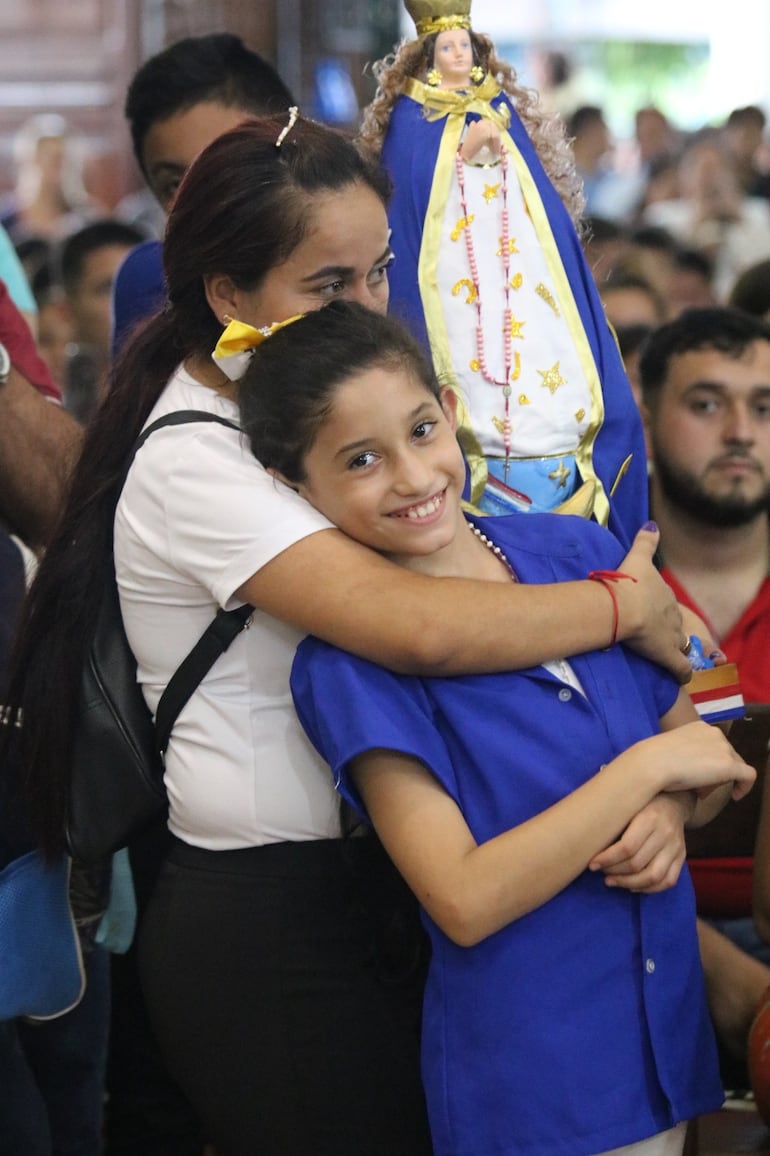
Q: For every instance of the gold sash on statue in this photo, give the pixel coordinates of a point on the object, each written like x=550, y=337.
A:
x=441, y=102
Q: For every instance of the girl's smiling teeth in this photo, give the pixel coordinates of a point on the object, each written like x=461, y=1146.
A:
x=424, y=509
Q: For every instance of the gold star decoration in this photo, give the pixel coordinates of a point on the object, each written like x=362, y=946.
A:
x=474, y=365
x=499, y=425
x=511, y=246
x=463, y=223
x=524, y=400
x=580, y=415
x=546, y=295
x=491, y=191
x=552, y=378
x=466, y=283
x=517, y=281
x=560, y=475
x=516, y=367
x=516, y=328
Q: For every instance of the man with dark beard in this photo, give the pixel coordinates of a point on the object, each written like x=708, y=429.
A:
x=705, y=381
x=706, y=398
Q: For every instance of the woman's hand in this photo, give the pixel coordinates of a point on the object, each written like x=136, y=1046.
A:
x=692, y=623
x=649, y=618
x=482, y=143
x=648, y=856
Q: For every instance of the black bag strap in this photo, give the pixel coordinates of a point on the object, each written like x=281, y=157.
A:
x=217, y=636
x=214, y=641
x=178, y=417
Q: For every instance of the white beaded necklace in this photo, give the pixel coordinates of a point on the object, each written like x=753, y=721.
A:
x=558, y=666
x=498, y=553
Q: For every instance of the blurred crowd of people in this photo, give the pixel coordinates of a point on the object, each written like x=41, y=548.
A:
x=59, y=251
x=687, y=211
x=673, y=219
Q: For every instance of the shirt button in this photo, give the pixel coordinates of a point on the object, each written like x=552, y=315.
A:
x=650, y=966
x=565, y=695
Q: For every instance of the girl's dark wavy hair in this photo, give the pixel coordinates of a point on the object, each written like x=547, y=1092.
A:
x=242, y=209
x=288, y=388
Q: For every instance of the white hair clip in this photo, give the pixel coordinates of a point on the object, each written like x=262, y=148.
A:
x=282, y=135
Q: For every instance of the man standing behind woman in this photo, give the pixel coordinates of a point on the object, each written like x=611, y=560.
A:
x=179, y=101
x=284, y=995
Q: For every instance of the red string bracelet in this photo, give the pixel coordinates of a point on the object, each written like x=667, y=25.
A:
x=606, y=578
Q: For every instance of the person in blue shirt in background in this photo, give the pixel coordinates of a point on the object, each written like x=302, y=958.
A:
x=178, y=102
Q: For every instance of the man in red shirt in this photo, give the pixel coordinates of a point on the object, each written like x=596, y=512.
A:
x=705, y=381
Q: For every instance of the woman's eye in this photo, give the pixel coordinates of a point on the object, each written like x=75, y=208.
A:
x=423, y=429
x=380, y=272
x=333, y=289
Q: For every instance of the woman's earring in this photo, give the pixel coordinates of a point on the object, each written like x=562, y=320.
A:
x=477, y=74
x=434, y=77
x=226, y=318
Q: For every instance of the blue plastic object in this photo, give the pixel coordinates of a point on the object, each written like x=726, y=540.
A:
x=698, y=660
x=41, y=965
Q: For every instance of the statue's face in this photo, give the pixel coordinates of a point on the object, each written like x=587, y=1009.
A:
x=453, y=57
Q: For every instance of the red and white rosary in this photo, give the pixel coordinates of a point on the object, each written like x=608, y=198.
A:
x=505, y=251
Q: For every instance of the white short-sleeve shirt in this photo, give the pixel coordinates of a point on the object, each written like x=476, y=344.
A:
x=197, y=517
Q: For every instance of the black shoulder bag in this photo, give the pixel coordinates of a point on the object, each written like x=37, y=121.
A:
x=116, y=780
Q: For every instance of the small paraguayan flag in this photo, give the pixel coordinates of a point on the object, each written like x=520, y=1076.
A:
x=716, y=693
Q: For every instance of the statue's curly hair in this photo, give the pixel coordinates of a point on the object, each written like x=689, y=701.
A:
x=413, y=58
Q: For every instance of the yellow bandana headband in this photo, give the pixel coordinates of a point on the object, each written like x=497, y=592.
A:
x=235, y=347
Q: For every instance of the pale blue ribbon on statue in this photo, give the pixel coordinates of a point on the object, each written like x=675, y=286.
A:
x=527, y=485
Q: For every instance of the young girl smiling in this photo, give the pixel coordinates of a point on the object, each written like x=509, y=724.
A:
x=537, y=815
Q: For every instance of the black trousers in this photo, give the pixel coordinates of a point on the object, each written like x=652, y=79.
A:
x=285, y=987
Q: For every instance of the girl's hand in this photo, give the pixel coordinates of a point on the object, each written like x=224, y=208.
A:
x=649, y=855
x=697, y=757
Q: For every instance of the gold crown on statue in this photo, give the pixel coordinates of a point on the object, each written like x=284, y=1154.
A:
x=439, y=15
